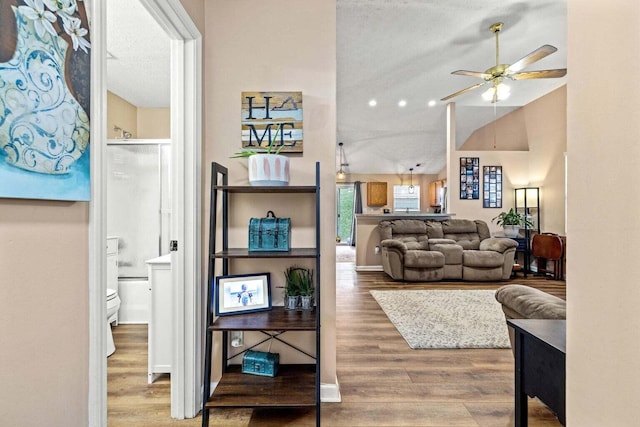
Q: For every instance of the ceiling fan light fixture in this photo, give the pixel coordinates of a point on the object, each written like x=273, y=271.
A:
x=503, y=92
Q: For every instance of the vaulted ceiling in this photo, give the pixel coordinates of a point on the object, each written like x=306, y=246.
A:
x=387, y=50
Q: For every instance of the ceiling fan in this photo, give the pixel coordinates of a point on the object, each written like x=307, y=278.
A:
x=495, y=75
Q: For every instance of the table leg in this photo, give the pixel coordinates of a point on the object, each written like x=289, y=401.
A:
x=521, y=399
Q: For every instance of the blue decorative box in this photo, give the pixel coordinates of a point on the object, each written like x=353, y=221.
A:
x=260, y=363
x=270, y=233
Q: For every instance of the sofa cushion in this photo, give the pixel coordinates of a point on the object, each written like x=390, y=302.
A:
x=482, y=259
x=423, y=259
x=452, y=253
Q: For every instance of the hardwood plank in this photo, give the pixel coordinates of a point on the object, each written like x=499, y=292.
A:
x=383, y=382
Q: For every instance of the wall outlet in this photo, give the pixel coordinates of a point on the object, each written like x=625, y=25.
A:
x=237, y=338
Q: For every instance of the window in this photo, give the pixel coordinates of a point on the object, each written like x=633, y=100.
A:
x=405, y=200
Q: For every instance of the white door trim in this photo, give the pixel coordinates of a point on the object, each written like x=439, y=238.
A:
x=186, y=135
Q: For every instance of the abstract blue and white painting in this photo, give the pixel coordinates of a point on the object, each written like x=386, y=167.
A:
x=44, y=100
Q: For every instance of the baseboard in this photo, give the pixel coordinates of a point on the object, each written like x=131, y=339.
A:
x=369, y=268
x=330, y=393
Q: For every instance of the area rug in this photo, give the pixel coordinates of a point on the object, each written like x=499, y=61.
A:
x=446, y=318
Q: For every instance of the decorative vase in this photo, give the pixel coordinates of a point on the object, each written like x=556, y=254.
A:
x=42, y=126
x=306, y=302
x=268, y=169
x=291, y=302
x=511, y=230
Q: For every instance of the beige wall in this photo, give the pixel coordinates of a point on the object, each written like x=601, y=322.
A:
x=122, y=114
x=543, y=124
x=143, y=123
x=603, y=296
x=245, y=53
x=44, y=313
x=154, y=123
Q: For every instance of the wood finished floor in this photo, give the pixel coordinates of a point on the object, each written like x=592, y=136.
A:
x=382, y=381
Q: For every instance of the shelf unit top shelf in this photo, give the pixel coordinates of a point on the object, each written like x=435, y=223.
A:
x=267, y=189
x=276, y=319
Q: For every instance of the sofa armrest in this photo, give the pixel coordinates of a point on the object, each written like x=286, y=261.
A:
x=497, y=244
x=394, y=244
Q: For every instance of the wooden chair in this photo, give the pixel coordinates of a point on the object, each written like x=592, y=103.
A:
x=549, y=247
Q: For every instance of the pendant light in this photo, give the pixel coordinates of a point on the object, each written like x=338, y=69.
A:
x=411, y=187
x=341, y=175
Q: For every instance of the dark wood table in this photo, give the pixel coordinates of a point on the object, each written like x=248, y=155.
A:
x=540, y=354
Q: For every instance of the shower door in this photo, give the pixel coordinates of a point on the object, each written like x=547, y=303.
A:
x=137, y=202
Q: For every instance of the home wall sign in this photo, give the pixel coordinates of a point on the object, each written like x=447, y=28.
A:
x=45, y=70
x=269, y=115
x=492, y=186
x=469, y=178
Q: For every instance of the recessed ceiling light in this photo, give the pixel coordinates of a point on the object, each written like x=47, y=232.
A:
x=432, y=103
x=402, y=103
x=373, y=103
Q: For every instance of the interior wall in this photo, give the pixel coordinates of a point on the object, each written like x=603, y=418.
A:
x=44, y=313
x=248, y=52
x=603, y=367
x=544, y=123
x=153, y=123
x=122, y=114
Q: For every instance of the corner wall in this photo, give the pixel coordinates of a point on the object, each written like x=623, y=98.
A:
x=543, y=123
x=603, y=296
x=276, y=46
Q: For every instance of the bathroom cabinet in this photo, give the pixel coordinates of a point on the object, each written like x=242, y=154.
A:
x=160, y=318
x=112, y=267
x=296, y=384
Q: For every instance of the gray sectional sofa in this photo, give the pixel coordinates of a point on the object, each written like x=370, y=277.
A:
x=455, y=249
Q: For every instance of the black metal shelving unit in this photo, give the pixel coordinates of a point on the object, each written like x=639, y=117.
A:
x=296, y=385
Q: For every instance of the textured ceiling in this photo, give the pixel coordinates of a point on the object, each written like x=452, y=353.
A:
x=407, y=49
x=139, y=69
x=386, y=50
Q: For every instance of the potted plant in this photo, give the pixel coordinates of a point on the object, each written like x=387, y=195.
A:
x=299, y=283
x=266, y=165
x=511, y=222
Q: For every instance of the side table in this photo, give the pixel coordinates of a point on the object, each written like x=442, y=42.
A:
x=540, y=362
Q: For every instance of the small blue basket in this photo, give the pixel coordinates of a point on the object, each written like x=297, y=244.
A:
x=269, y=234
x=260, y=363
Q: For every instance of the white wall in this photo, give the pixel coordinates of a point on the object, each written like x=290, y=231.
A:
x=603, y=293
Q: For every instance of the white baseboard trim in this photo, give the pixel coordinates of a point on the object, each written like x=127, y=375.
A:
x=330, y=393
x=369, y=268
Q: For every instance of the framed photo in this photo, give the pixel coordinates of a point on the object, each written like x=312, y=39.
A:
x=242, y=293
x=492, y=190
x=469, y=178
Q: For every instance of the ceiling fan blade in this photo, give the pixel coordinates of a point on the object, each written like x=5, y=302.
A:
x=460, y=92
x=473, y=74
x=542, y=74
x=534, y=56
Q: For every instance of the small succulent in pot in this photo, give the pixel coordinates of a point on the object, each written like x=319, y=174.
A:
x=299, y=283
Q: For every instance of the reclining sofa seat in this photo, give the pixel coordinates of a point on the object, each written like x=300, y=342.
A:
x=418, y=250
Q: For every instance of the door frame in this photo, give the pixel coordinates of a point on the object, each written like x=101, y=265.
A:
x=186, y=135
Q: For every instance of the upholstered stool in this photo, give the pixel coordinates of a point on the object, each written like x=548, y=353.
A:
x=525, y=302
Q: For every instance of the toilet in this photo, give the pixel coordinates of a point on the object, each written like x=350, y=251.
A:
x=113, y=304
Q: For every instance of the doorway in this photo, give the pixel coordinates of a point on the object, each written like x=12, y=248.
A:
x=186, y=125
x=344, y=213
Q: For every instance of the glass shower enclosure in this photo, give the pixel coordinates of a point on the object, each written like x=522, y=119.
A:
x=138, y=202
